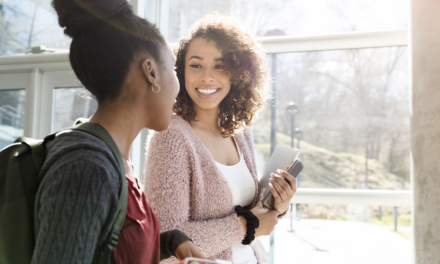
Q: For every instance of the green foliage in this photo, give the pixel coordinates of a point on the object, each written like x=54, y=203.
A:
x=327, y=169
x=402, y=220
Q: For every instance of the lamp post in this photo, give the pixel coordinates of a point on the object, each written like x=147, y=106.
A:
x=292, y=109
x=298, y=134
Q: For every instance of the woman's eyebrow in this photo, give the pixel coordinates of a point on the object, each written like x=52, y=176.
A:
x=195, y=57
x=219, y=59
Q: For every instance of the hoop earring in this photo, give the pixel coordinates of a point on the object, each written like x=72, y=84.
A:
x=155, y=85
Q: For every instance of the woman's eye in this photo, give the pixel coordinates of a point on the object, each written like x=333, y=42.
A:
x=220, y=67
x=196, y=66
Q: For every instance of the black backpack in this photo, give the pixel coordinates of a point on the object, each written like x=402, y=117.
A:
x=20, y=164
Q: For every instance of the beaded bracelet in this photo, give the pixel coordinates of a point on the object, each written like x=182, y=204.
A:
x=252, y=223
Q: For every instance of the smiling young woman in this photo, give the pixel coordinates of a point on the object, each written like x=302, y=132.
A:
x=201, y=171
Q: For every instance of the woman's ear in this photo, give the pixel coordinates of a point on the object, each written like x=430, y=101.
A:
x=149, y=70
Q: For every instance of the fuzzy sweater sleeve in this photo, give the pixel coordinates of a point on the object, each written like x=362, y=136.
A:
x=168, y=180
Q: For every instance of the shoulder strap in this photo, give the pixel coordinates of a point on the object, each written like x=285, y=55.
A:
x=37, y=151
x=100, y=132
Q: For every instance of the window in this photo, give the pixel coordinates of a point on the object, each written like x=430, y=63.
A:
x=295, y=17
x=11, y=115
x=353, y=117
x=28, y=23
x=353, y=124
x=70, y=104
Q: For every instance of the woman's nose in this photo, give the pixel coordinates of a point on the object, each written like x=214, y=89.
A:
x=208, y=76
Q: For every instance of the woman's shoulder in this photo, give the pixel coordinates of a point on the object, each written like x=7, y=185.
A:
x=179, y=130
x=177, y=122
x=245, y=134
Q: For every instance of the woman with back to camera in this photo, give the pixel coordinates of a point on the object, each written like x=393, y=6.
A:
x=125, y=63
x=203, y=165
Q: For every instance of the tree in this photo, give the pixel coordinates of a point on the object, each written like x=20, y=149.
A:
x=26, y=23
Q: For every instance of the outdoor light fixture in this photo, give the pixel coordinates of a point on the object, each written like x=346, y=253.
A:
x=293, y=109
x=298, y=133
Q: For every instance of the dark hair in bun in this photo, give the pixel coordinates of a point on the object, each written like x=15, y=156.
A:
x=106, y=37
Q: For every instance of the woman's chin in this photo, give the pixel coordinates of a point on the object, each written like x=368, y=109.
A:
x=207, y=106
x=160, y=124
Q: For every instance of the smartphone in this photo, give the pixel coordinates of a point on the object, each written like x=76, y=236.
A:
x=280, y=158
x=295, y=168
x=205, y=261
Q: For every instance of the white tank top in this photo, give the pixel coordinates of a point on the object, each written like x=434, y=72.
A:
x=242, y=185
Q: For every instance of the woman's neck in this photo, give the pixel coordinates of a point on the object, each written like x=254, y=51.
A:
x=120, y=123
x=207, y=119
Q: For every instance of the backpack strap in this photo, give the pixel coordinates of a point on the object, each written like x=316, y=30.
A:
x=37, y=152
x=112, y=240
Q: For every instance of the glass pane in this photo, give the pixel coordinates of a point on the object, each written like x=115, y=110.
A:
x=353, y=124
x=293, y=17
x=29, y=23
x=11, y=115
x=70, y=104
x=147, y=9
x=343, y=234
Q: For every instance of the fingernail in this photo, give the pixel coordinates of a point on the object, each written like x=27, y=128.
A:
x=270, y=185
x=280, y=171
x=271, y=180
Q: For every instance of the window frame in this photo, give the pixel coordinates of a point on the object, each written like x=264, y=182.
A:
x=39, y=98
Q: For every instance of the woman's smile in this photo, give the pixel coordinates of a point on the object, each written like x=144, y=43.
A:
x=207, y=92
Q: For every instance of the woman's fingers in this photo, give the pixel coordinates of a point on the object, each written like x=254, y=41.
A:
x=281, y=186
x=282, y=190
x=274, y=192
x=188, y=249
x=196, y=253
x=290, y=178
x=276, y=188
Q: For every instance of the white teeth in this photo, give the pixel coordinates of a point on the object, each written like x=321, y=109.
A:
x=207, y=91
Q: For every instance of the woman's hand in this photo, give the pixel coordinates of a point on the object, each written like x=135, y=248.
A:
x=267, y=218
x=188, y=249
x=281, y=190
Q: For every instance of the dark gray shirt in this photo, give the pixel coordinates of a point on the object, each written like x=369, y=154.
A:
x=77, y=201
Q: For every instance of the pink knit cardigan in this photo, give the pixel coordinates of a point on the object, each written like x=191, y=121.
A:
x=188, y=192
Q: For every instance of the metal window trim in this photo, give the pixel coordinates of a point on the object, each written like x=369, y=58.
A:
x=353, y=196
x=357, y=40
x=33, y=103
x=282, y=44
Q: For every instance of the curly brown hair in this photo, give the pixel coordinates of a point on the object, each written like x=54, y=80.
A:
x=243, y=59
